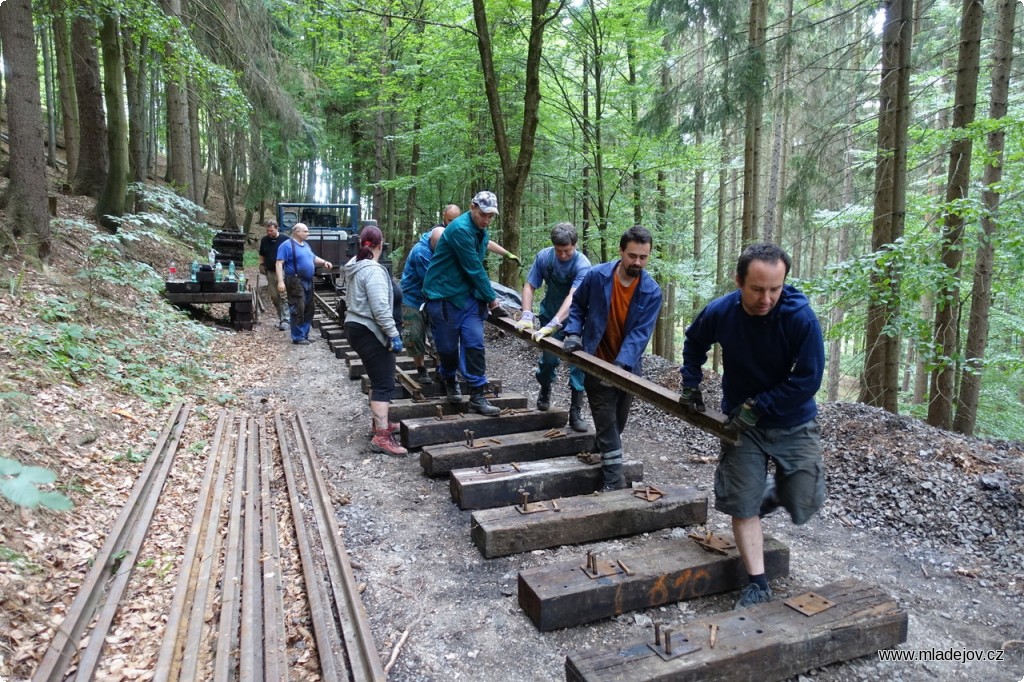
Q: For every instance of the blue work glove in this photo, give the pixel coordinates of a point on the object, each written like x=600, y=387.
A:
x=572, y=343
x=525, y=322
x=691, y=399
x=743, y=418
x=395, y=344
x=550, y=328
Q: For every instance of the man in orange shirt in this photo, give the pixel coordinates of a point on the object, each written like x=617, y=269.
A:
x=613, y=314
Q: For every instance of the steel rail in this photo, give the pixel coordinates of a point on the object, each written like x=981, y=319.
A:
x=325, y=629
x=359, y=644
x=168, y=659
x=710, y=421
x=189, y=665
x=230, y=585
x=275, y=657
x=121, y=541
x=326, y=308
x=250, y=663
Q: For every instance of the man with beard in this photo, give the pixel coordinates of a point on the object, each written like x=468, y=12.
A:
x=612, y=317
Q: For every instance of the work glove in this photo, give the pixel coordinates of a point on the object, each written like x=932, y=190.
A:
x=395, y=344
x=743, y=418
x=572, y=343
x=498, y=311
x=512, y=256
x=525, y=322
x=550, y=328
x=691, y=399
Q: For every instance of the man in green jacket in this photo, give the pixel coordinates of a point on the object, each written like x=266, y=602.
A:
x=458, y=295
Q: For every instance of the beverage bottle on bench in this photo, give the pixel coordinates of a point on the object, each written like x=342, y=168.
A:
x=218, y=272
x=172, y=272
x=231, y=271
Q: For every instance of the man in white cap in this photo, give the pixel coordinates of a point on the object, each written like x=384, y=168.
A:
x=458, y=295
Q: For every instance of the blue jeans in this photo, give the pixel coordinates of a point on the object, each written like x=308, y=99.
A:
x=459, y=333
x=301, y=312
x=549, y=362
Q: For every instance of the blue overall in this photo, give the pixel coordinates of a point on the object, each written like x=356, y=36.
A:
x=558, y=287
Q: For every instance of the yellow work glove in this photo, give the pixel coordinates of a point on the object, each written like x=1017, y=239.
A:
x=525, y=322
x=512, y=256
x=550, y=328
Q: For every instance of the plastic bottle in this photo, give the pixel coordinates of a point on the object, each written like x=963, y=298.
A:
x=172, y=272
x=195, y=270
x=218, y=272
x=231, y=271
x=241, y=282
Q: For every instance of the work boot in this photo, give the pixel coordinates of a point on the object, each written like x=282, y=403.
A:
x=611, y=471
x=544, y=398
x=393, y=427
x=478, y=403
x=384, y=441
x=752, y=594
x=452, y=389
x=422, y=377
x=576, y=421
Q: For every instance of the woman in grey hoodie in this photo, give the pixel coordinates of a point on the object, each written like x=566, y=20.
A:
x=371, y=330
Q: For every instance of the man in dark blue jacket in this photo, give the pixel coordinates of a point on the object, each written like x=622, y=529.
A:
x=774, y=357
x=612, y=317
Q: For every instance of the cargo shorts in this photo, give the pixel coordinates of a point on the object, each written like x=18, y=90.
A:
x=799, y=472
x=414, y=334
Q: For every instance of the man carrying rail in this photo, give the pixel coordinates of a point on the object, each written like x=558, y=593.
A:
x=774, y=358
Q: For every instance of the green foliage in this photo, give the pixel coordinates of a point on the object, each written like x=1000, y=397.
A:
x=20, y=485
x=132, y=455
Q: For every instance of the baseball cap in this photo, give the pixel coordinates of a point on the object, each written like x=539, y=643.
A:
x=486, y=202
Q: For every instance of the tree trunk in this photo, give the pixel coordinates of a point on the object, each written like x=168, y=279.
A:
x=194, y=145
x=947, y=314
x=879, y=385
x=179, y=134
x=754, y=109
x=66, y=87
x=91, y=174
x=981, y=293
x=226, y=158
x=27, y=211
x=514, y=173
x=135, y=90
x=51, y=107
x=112, y=199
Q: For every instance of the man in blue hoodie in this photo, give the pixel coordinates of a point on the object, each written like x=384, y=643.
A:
x=774, y=357
x=612, y=317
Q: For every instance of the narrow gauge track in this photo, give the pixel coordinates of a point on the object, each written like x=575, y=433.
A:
x=226, y=618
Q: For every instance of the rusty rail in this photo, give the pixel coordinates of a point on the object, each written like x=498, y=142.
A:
x=100, y=593
x=711, y=421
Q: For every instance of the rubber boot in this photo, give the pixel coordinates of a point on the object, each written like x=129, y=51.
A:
x=478, y=403
x=544, y=398
x=576, y=421
x=423, y=377
x=384, y=441
x=452, y=390
x=611, y=471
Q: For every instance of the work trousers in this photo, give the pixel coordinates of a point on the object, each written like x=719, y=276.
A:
x=548, y=364
x=460, y=331
x=301, y=309
x=610, y=408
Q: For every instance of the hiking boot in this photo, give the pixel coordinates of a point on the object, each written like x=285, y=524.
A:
x=752, y=594
x=384, y=441
x=478, y=403
x=452, y=390
x=769, y=500
x=393, y=427
x=544, y=398
x=576, y=421
x=611, y=471
x=423, y=377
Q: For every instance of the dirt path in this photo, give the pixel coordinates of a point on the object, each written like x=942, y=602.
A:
x=411, y=546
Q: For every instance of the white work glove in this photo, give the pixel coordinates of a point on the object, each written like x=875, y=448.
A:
x=525, y=322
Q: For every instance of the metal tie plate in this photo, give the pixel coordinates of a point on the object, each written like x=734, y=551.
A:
x=809, y=603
